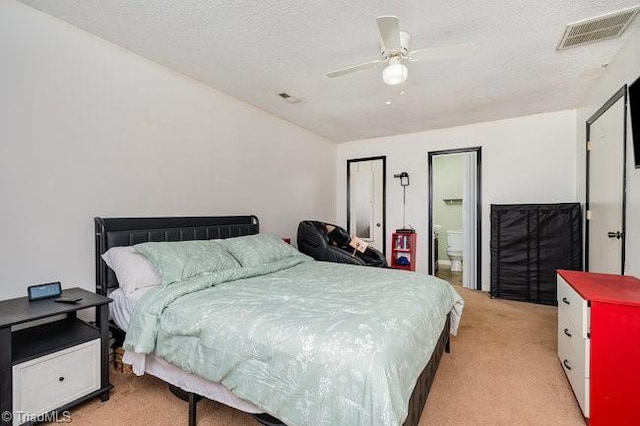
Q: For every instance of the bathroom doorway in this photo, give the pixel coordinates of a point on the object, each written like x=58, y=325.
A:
x=455, y=215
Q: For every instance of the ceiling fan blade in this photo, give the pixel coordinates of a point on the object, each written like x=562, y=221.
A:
x=389, y=27
x=355, y=68
x=455, y=51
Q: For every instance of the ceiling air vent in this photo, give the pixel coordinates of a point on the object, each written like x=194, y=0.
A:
x=287, y=97
x=600, y=28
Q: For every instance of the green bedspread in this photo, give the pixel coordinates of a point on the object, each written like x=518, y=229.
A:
x=309, y=342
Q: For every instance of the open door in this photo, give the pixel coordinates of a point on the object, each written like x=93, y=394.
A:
x=470, y=194
x=606, y=174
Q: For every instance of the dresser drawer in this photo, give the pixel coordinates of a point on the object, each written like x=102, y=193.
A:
x=573, y=306
x=574, y=353
x=579, y=383
x=580, y=386
x=572, y=347
x=48, y=382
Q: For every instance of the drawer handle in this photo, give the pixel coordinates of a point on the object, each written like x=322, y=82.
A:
x=566, y=364
x=61, y=379
x=566, y=331
x=564, y=299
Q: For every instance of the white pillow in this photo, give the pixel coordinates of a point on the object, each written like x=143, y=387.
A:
x=133, y=270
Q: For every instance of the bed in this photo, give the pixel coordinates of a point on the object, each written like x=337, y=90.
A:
x=123, y=232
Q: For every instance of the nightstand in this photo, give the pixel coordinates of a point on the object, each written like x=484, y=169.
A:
x=48, y=367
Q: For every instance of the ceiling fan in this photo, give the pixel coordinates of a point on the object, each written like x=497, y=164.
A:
x=395, y=52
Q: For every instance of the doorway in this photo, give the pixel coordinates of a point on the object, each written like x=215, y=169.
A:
x=366, y=200
x=455, y=215
x=606, y=180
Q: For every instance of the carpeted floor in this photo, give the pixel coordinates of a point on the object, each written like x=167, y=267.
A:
x=502, y=370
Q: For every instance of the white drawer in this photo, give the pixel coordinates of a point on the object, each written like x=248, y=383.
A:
x=573, y=306
x=572, y=347
x=574, y=354
x=48, y=382
x=580, y=386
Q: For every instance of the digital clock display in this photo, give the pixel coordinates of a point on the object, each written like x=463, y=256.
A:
x=44, y=291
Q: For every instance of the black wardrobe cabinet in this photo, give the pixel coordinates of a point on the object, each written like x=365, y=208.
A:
x=529, y=242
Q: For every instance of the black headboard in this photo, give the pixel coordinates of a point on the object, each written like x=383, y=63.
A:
x=115, y=232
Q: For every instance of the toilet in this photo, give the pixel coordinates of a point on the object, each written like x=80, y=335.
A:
x=454, y=249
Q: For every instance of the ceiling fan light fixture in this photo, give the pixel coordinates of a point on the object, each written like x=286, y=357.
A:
x=395, y=73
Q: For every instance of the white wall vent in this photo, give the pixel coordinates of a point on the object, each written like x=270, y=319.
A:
x=600, y=28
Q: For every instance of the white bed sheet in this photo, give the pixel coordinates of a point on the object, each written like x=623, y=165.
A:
x=122, y=307
x=120, y=311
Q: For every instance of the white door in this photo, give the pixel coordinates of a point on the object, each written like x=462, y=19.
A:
x=366, y=201
x=470, y=220
x=606, y=180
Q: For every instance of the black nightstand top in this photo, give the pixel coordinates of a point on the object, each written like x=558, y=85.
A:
x=20, y=310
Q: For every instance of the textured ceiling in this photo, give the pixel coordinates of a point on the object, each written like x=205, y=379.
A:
x=255, y=49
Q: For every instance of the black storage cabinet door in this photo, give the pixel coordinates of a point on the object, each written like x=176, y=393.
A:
x=529, y=242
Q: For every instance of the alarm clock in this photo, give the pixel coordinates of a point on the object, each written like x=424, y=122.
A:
x=44, y=291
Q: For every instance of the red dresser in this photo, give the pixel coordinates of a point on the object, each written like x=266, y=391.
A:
x=599, y=344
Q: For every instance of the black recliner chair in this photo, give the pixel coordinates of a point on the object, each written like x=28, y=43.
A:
x=315, y=241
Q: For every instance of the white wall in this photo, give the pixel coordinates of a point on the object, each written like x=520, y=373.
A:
x=447, y=183
x=524, y=160
x=624, y=69
x=89, y=129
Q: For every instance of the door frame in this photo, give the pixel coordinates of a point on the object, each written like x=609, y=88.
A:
x=621, y=93
x=478, y=151
x=384, y=195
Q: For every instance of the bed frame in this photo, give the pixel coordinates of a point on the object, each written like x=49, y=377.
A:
x=114, y=232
